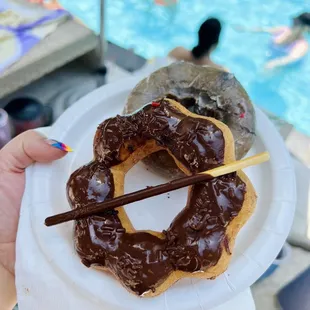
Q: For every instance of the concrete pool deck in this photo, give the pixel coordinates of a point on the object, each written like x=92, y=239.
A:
x=299, y=145
x=264, y=293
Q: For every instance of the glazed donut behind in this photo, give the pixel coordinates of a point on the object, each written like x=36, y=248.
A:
x=205, y=91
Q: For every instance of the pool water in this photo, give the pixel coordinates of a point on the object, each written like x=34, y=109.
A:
x=152, y=31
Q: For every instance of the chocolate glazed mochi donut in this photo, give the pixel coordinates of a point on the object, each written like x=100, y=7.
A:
x=202, y=90
x=200, y=239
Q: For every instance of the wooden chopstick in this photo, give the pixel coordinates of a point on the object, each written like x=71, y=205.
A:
x=96, y=208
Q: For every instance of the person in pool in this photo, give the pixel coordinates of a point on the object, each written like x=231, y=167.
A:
x=166, y=2
x=288, y=43
x=208, y=39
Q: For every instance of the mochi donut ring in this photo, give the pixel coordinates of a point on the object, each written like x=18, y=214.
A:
x=202, y=90
x=200, y=239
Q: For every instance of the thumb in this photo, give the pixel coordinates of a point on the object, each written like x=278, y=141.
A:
x=27, y=148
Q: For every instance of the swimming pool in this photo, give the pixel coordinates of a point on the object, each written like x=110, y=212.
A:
x=152, y=30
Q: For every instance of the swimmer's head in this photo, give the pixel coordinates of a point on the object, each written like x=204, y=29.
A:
x=208, y=37
x=302, y=22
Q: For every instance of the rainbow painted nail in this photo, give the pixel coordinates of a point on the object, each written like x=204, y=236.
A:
x=59, y=145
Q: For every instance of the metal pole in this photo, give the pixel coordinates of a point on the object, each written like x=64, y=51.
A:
x=102, y=42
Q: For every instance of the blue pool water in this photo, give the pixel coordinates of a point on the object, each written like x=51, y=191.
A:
x=152, y=30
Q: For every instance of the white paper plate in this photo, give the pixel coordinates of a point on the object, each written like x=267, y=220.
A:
x=257, y=244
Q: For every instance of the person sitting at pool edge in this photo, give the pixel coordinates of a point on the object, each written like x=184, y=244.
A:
x=208, y=38
x=288, y=43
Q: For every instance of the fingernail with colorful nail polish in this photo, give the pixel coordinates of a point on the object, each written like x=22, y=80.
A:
x=59, y=145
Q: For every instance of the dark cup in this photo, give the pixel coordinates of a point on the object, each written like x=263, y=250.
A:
x=28, y=113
